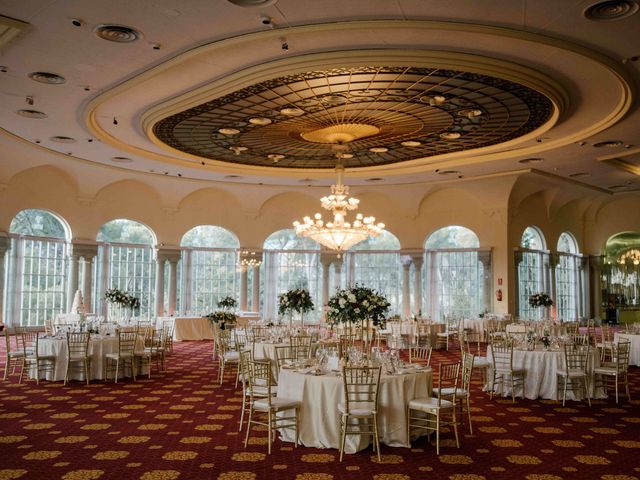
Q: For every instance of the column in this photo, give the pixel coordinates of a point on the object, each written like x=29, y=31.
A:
x=86, y=251
x=244, y=277
x=337, y=272
x=418, y=261
x=5, y=245
x=159, y=290
x=172, y=255
x=255, y=303
x=72, y=286
x=595, y=285
x=554, y=261
x=484, y=257
x=326, y=271
x=518, y=258
x=173, y=285
x=406, y=288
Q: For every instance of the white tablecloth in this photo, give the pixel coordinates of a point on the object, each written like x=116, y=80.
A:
x=634, y=353
x=476, y=325
x=267, y=350
x=98, y=348
x=190, y=328
x=320, y=396
x=541, y=380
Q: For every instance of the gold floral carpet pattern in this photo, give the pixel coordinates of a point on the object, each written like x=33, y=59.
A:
x=182, y=425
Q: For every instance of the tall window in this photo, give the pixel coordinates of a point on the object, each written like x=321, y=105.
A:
x=454, y=274
x=290, y=262
x=38, y=266
x=209, y=273
x=531, y=263
x=567, y=271
x=375, y=263
x=127, y=261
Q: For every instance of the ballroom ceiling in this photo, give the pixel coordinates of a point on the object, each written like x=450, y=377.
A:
x=278, y=92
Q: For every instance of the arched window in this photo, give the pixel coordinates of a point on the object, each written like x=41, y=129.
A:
x=375, y=263
x=209, y=271
x=567, y=278
x=621, y=275
x=532, y=264
x=127, y=261
x=38, y=263
x=454, y=274
x=290, y=262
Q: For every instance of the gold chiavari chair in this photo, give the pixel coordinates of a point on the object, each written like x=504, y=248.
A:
x=126, y=355
x=78, y=354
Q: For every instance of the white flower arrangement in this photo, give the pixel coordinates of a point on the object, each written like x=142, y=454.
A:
x=357, y=304
x=124, y=299
x=298, y=300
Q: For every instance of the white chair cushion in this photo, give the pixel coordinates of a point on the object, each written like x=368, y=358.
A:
x=276, y=404
x=428, y=404
x=259, y=390
x=359, y=409
x=605, y=370
x=232, y=356
x=481, y=362
x=448, y=392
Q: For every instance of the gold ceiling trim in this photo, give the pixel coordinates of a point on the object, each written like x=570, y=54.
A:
x=9, y=29
x=615, y=114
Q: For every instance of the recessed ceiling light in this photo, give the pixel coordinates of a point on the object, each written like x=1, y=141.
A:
x=344, y=155
x=470, y=112
x=47, y=77
x=531, y=160
x=433, y=100
x=275, y=157
x=61, y=139
x=252, y=3
x=448, y=172
x=238, y=150
x=611, y=10
x=374, y=179
x=608, y=144
x=411, y=143
x=378, y=150
x=117, y=33
x=229, y=131
x=450, y=135
x=261, y=121
x=333, y=99
x=580, y=175
x=292, y=112
x=121, y=160
x=32, y=114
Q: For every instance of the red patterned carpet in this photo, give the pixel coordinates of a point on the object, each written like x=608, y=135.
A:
x=181, y=425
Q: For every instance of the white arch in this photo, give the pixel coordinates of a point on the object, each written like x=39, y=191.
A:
x=452, y=236
x=24, y=225
x=211, y=236
x=567, y=243
x=533, y=238
x=132, y=223
x=286, y=239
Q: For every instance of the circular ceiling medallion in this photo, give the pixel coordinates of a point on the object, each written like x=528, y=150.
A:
x=117, y=33
x=47, y=77
x=611, y=10
x=368, y=116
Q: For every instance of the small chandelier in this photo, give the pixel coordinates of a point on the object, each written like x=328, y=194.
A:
x=632, y=256
x=339, y=234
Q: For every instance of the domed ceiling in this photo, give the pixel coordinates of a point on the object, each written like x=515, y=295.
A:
x=365, y=116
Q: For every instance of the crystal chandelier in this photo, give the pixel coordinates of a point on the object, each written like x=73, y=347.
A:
x=339, y=234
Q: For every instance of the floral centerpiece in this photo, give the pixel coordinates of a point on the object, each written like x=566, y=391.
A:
x=298, y=300
x=540, y=300
x=360, y=305
x=124, y=300
x=222, y=318
x=227, y=303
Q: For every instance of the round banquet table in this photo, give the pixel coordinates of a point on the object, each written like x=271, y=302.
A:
x=99, y=346
x=476, y=326
x=321, y=394
x=541, y=380
x=634, y=353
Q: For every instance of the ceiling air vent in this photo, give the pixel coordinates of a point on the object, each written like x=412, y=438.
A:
x=121, y=160
x=47, y=77
x=611, y=10
x=608, y=144
x=32, y=114
x=252, y=3
x=61, y=139
x=117, y=33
